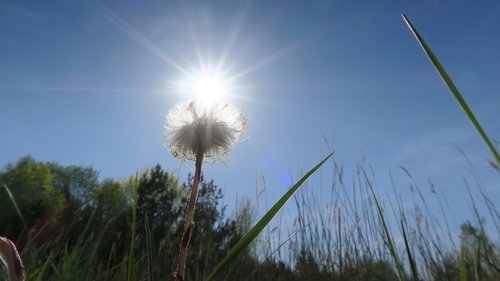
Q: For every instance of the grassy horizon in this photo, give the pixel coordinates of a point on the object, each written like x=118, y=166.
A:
x=346, y=241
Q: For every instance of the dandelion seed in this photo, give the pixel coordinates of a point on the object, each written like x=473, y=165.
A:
x=11, y=259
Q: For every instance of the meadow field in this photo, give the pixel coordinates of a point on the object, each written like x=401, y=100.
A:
x=79, y=227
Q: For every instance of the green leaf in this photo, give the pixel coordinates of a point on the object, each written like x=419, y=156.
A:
x=454, y=90
x=264, y=221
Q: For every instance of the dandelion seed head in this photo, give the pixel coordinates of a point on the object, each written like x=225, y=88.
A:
x=195, y=127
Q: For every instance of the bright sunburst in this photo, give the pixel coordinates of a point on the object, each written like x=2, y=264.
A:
x=208, y=89
x=205, y=87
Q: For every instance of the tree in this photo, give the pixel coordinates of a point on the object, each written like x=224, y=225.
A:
x=31, y=184
x=159, y=199
x=76, y=183
x=481, y=258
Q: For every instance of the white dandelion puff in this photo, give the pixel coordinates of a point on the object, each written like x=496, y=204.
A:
x=198, y=129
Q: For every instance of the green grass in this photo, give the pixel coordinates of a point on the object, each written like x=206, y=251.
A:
x=454, y=90
x=133, y=237
x=16, y=207
x=263, y=222
x=352, y=239
x=388, y=237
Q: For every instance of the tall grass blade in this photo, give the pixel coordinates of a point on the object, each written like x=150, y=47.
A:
x=110, y=258
x=477, y=259
x=39, y=272
x=275, y=251
x=149, y=249
x=18, y=211
x=264, y=221
x=132, y=237
x=390, y=241
x=454, y=90
x=463, y=266
x=84, y=235
x=413, y=265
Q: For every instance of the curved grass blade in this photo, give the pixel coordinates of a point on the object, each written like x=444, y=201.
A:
x=454, y=90
x=132, y=235
x=390, y=240
x=264, y=221
x=18, y=210
x=463, y=264
x=411, y=260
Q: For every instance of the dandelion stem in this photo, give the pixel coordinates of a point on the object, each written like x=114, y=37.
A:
x=188, y=226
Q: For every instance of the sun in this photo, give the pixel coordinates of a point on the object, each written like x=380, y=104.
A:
x=209, y=89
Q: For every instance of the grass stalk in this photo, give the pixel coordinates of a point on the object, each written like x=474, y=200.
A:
x=149, y=248
x=411, y=260
x=454, y=90
x=132, y=237
x=463, y=267
x=264, y=221
x=390, y=242
x=18, y=210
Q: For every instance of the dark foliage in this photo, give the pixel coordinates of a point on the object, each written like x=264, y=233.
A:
x=73, y=226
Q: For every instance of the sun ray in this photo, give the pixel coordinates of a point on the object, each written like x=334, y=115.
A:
x=269, y=59
x=285, y=50
x=134, y=34
x=193, y=35
x=233, y=34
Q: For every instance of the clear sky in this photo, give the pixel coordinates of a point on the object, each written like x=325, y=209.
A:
x=90, y=82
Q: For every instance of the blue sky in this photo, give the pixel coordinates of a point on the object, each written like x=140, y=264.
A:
x=90, y=82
